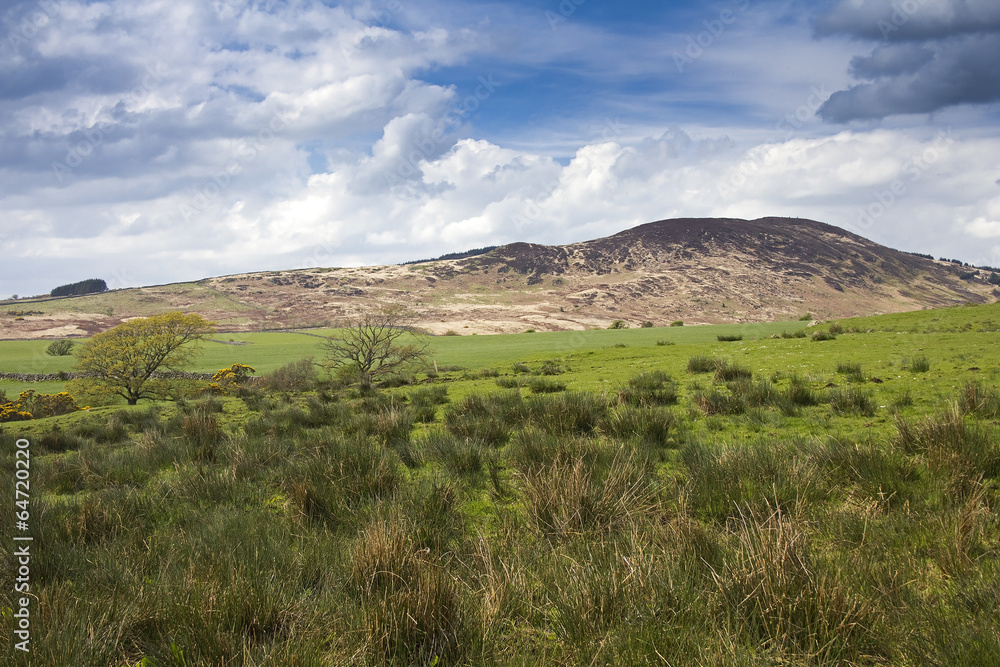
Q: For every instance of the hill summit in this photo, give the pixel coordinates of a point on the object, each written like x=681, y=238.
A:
x=693, y=269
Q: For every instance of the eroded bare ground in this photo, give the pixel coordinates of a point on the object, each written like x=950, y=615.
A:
x=695, y=270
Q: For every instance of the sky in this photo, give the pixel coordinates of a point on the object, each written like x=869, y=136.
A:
x=171, y=140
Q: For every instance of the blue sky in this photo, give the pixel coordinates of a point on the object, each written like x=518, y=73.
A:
x=161, y=141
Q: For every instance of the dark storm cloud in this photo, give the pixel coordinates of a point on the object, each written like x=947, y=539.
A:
x=910, y=19
x=933, y=54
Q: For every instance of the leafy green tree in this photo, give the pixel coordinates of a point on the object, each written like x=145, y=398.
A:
x=127, y=360
x=60, y=348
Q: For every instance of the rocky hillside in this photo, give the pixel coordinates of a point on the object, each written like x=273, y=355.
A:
x=695, y=270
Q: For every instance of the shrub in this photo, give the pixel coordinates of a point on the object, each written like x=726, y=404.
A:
x=727, y=372
x=966, y=451
x=567, y=413
x=488, y=418
x=619, y=324
x=656, y=426
x=729, y=338
x=701, y=364
x=459, y=455
x=661, y=343
x=852, y=399
x=852, y=371
x=784, y=598
x=550, y=368
x=294, y=376
x=798, y=333
x=511, y=382
x=677, y=323
x=715, y=402
x=543, y=386
x=806, y=318
x=425, y=402
x=646, y=325
x=574, y=496
x=822, y=335
x=649, y=389
x=60, y=348
x=920, y=365
x=800, y=393
x=519, y=367
x=836, y=328
x=978, y=400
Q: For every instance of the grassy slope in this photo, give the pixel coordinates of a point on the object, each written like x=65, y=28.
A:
x=562, y=601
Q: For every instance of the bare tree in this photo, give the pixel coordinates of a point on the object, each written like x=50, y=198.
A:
x=376, y=345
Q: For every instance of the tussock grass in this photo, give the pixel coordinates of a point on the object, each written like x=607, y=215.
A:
x=851, y=400
x=727, y=371
x=649, y=389
x=701, y=364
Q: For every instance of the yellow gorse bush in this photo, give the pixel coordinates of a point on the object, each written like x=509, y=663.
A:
x=31, y=405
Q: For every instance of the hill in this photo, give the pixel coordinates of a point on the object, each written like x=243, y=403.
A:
x=695, y=270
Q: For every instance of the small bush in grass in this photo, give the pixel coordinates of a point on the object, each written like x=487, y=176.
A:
x=489, y=373
x=653, y=425
x=567, y=413
x=432, y=396
x=753, y=394
x=202, y=431
x=519, y=367
x=979, y=400
x=784, y=598
x=646, y=325
x=60, y=348
x=822, y=335
x=806, y=318
x=882, y=473
x=701, y=364
x=677, y=323
x=648, y=389
x=729, y=338
x=293, y=376
x=618, y=324
x=572, y=496
x=726, y=371
x=715, y=402
x=852, y=400
x=967, y=451
x=458, y=455
x=723, y=480
x=662, y=343
x=920, y=365
x=550, y=368
x=800, y=393
x=836, y=329
x=798, y=333
x=852, y=371
x=486, y=418
x=543, y=386
x=512, y=382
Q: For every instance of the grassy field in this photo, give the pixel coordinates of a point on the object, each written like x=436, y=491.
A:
x=646, y=496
